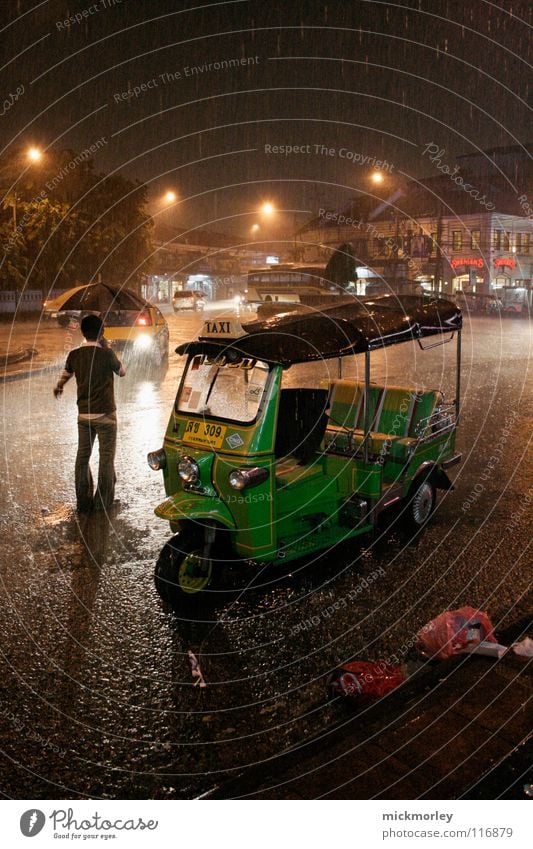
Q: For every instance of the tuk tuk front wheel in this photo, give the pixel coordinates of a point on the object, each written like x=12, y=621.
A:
x=184, y=568
x=420, y=503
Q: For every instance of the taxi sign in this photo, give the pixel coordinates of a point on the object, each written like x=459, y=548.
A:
x=222, y=327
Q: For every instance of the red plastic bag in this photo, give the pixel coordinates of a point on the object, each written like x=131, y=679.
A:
x=453, y=632
x=363, y=682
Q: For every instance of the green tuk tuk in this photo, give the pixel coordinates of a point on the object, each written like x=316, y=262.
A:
x=257, y=471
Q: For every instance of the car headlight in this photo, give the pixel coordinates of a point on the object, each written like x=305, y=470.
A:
x=241, y=478
x=143, y=341
x=157, y=459
x=188, y=470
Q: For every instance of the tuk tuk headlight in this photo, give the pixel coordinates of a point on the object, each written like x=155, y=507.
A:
x=241, y=478
x=157, y=459
x=188, y=470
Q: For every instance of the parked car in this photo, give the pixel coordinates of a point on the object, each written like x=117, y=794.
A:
x=188, y=301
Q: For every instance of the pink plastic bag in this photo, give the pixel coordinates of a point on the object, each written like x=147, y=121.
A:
x=454, y=632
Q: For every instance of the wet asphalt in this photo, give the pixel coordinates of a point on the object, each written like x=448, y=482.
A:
x=96, y=695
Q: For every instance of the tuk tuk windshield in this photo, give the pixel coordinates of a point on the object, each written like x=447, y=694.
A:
x=223, y=389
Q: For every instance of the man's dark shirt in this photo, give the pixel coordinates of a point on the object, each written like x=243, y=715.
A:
x=94, y=368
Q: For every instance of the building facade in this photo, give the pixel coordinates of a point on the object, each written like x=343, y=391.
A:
x=479, y=252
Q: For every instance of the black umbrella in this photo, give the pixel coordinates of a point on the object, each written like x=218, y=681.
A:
x=102, y=298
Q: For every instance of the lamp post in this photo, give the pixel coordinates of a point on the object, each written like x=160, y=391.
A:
x=34, y=155
x=378, y=179
x=168, y=199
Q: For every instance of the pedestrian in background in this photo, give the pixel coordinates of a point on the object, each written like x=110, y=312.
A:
x=94, y=365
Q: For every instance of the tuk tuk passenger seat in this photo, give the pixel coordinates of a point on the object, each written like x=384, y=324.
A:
x=396, y=416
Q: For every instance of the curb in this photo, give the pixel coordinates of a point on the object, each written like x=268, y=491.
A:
x=8, y=377
x=248, y=780
x=245, y=780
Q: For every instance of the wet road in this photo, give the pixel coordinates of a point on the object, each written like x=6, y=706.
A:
x=96, y=696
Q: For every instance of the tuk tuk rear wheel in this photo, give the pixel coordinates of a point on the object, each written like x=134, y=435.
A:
x=420, y=502
x=184, y=569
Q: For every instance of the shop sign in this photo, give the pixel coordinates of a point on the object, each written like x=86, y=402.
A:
x=473, y=262
x=502, y=262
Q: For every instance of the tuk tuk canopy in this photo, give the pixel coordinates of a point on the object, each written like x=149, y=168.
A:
x=352, y=326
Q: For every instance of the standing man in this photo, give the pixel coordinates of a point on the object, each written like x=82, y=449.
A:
x=94, y=364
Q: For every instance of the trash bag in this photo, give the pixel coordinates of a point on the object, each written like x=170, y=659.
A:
x=362, y=682
x=454, y=632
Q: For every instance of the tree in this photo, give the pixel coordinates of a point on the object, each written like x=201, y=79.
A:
x=341, y=266
x=62, y=224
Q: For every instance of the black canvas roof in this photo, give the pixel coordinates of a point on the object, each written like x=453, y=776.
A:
x=352, y=326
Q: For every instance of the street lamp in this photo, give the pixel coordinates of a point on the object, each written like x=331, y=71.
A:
x=34, y=154
x=170, y=197
x=378, y=179
x=268, y=209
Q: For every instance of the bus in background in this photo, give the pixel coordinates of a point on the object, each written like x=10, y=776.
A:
x=290, y=288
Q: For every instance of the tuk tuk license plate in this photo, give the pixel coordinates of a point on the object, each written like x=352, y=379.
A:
x=204, y=433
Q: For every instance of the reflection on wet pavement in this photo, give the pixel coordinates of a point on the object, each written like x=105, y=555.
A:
x=97, y=698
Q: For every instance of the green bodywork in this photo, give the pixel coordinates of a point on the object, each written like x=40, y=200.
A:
x=303, y=507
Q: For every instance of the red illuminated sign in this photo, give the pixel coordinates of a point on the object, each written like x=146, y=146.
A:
x=473, y=261
x=505, y=261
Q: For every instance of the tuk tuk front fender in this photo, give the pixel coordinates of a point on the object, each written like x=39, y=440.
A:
x=186, y=506
x=437, y=474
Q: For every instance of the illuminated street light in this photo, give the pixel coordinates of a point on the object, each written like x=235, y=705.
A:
x=170, y=197
x=255, y=228
x=268, y=208
x=377, y=177
x=34, y=154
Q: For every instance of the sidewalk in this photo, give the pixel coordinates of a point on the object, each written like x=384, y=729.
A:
x=437, y=737
x=50, y=342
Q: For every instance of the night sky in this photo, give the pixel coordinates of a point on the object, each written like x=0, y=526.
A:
x=377, y=80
